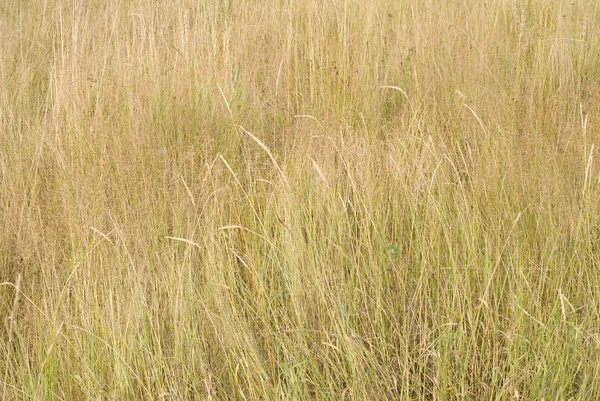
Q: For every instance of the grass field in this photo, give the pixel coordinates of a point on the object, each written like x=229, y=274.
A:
x=299, y=200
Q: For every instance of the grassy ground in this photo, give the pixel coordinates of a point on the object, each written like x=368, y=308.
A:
x=292, y=200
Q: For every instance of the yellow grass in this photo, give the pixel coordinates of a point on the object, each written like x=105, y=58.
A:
x=299, y=200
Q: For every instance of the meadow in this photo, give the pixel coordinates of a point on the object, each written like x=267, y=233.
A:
x=299, y=200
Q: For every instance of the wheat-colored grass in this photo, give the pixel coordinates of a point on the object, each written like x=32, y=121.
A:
x=299, y=200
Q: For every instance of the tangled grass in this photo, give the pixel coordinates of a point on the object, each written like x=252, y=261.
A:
x=299, y=200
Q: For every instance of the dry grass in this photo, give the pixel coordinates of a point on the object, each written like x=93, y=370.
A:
x=298, y=201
